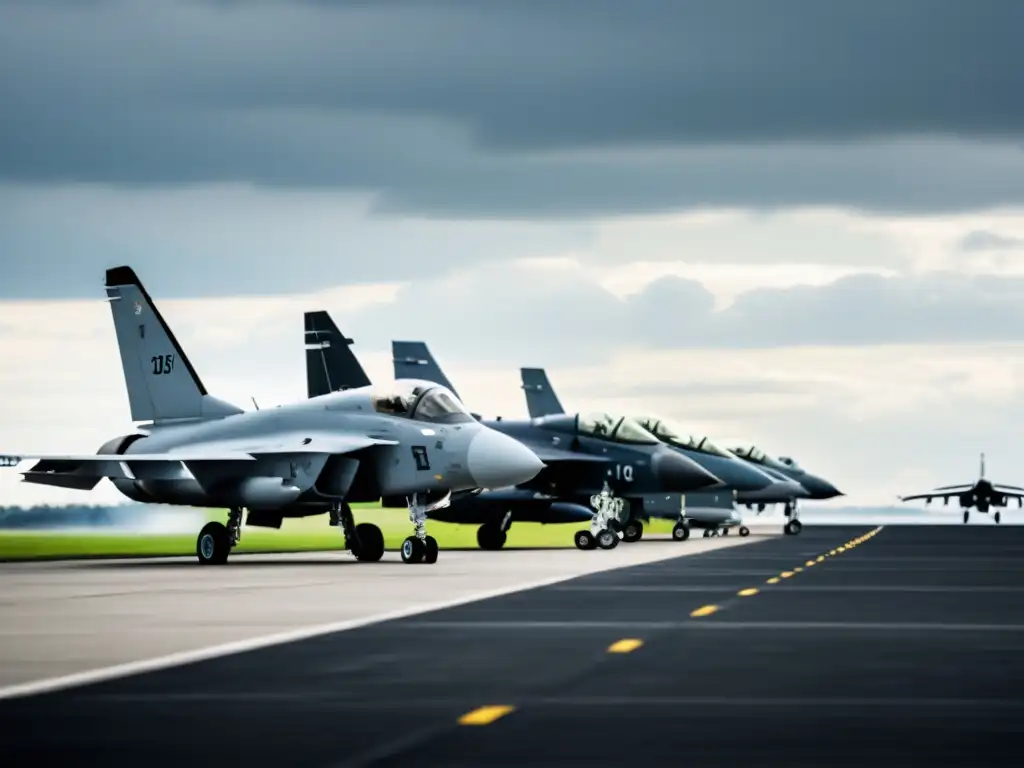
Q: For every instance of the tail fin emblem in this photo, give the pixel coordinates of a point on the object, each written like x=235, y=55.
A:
x=138, y=308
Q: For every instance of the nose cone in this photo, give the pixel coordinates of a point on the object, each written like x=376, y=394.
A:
x=820, y=488
x=495, y=460
x=678, y=474
x=741, y=476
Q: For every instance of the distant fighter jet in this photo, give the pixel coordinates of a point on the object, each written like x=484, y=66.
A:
x=410, y=439
x=635, y=462
x=982, y=494
x=711, y=513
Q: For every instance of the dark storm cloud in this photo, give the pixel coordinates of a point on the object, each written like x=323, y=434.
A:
x=982, y=240
x=507, y=314
x=432, y=104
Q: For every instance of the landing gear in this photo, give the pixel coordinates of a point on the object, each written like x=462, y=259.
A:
x=216, y=540
x=607, y=509
x=490, y=536
x=967, y=516
x=681, y=531
x=493, y=536
x=998, y=517
x=365, y=540
x=633, y=531
x=744, y=531
x=420, y=548
x=584, y=540
x=793, y=526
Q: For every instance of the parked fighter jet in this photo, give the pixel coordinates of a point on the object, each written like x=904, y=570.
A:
x=806, y=485
x=982, y=494
x=706, y=509
x=638, y=463
x=578, y=471
x=410, y=438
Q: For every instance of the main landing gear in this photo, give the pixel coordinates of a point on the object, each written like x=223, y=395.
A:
x=421, y=548
x=216, y=540
x=492, y=536
x=365, y=540
x=793, y=526
x=606, y=509
x=681, y=530
x=998, y=518
x=634, y=531
x=967, y=516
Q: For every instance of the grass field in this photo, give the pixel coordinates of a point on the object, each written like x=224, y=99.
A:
x=302, y=535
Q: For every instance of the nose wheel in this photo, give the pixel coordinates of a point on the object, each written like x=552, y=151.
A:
x=793, y=527
x=744, y=531
x=680, y=532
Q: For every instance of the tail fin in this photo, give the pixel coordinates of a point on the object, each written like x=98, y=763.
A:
x=541, y=399
x=330, y=363
x=983, y=466
x=162, y=384
x=413, y=360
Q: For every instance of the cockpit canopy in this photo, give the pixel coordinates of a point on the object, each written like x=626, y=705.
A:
x=620, y=429
x=751, y=453
x=791, y=463
x=420, y=401
x=669, y=433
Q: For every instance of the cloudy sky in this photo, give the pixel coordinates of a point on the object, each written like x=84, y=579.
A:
x=797, y=223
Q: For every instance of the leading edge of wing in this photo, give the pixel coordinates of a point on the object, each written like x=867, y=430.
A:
x=228, y=450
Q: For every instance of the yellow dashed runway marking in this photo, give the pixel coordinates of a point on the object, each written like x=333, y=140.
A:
x=773, y=580
x=485, y=715
x=747, y=592
x=625, y=646
x=705, y=610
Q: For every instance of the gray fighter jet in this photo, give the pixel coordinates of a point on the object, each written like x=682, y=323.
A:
x=636, y=462
x=806, y=485
x=410, y=439
x=576, y=468
x=710, y=509
x=982, y=494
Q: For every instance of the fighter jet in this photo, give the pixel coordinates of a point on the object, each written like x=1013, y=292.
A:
x=711, y=509
x=982, y=494
x=634, y=462
x=804, y=485
x=573, y=473
x=412, y=439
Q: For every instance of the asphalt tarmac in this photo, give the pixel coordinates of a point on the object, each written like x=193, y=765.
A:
x=906, y=648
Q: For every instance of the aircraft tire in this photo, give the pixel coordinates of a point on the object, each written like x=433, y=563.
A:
x=490, y=537
x=584, y=540
x=999, y=517
x=607, y=539
x=431, y=550
x=680, y=532
x=633, y=531
x=744, y=531
x=371, y=543
x=967, y=516
x=213, y=544
x=413, y=550
x=793, y=527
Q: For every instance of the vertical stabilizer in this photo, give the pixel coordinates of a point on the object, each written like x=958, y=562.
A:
x=983, y=466
x=541, y=399
x=412, y=360
x=331, y=365
x=162, y=384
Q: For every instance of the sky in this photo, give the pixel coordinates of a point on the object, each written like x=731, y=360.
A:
x=798, y=224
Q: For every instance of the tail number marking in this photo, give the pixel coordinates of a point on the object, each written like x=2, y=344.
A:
x=162, y=364
x=624, y=472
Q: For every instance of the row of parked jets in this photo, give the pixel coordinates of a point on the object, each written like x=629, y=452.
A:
x=407, y=443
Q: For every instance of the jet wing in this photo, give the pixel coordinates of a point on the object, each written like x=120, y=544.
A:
x=928, y=496
x=84, y=471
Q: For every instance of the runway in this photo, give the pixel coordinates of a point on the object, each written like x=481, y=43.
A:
x=905, y=648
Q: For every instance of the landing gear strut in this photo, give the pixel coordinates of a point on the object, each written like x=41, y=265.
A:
x=793, y=526
x=216, y=540
x=365, y=540
x=421, y=548
x=606, y=508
